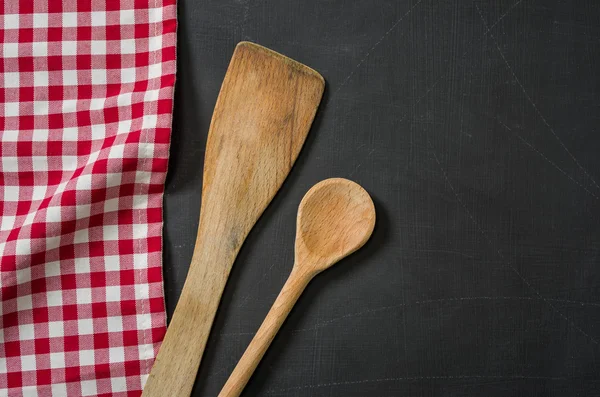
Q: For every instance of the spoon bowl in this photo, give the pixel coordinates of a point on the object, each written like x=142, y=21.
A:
x=336, y=217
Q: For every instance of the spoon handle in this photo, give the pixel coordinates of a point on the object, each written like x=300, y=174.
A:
x=291, y=291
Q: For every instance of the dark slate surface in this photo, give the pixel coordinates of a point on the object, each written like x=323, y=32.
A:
x=474, y=125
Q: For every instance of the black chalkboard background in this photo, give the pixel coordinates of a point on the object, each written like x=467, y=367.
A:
x=474, y=126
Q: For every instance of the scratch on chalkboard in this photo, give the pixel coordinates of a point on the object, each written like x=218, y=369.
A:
x=537, y=110
x=555, y=166
x=462, y=299
x=356, y=169
x=502, y=16
x=507, y=262
x=445, y=252
x=443, y=75
x=360, y=164
x=503, y=125
x=419, y=378
x=368, y=53
x=546, y=158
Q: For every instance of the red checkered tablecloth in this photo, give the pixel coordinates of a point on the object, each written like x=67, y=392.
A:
x=86, y=97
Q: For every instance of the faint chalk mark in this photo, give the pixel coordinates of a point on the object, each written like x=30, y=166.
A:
x=368, y=53
x=446, y=252
x=237, y=333
x=360, y=164
x=418, y=303
x=574, y=302
x=507, y=262
x=440, y=78
x=419, y=378
x=502, y=16
x=447, y=69
x=355, y=170
x=413, y=105
x=260, y=280
x=503, y=125
x=537, y=110
x=428, y=301
x=229, y=368
x=546, y=158
x=555, y=166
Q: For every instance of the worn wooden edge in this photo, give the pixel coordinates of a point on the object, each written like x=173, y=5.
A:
x=291, y=62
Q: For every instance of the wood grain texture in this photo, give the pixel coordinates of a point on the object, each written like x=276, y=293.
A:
x=336, y=217
x=262, y=116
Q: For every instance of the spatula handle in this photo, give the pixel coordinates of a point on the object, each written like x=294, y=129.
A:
x=291, y=291
x=178, y=359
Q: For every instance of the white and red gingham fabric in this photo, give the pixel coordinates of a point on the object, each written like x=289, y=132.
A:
x=86, y=94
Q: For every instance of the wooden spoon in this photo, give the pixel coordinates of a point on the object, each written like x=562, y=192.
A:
x=262, y=116
x=336, y=217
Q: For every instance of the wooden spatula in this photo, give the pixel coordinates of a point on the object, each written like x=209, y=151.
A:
x=262, y=116
x=336, y=217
